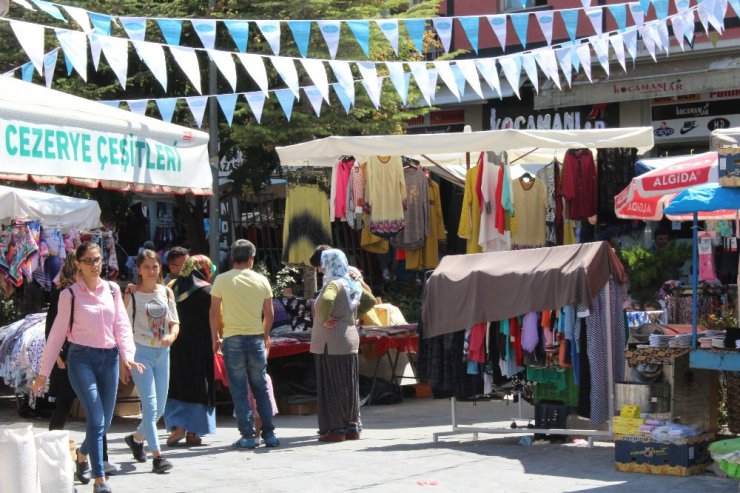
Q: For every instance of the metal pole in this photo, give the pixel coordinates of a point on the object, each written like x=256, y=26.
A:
x=695, y=281
x=214, y=202
x=610, y=354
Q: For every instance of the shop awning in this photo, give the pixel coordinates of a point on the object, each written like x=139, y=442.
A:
x=467, y=289
x=52, y=137
x=52, y=209
x=711, y=201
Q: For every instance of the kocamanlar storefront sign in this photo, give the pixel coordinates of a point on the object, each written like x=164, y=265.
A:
x=695, y=116
x=518, y=117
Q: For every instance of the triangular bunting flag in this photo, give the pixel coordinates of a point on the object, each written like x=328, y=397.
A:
x=343, y=74
x=343, y=98
x=31, y=38
x=489, y=72
x=27, y=71
x=26, y=5
x=225, y=64
x=630, y=42
x=596, y=16
x=498, y=24
x=530, y=67
x=317, y=72
x=398, y=79
x=116, y=52
x=68, y=64
x=101, y=23
x=443, y=26
x=677, y=22
x=445, y=72
x=433, y=77
x=661, y=8
x=301, y=34
x=682, y=5
x=717, y=10
x=197, y=105
x=239, y=31
x=570, y=19
x=566, y=65
x=548, y=64
x=601, y=48
x=645, y=5
x=314, y=97
x=171, y=30
x=206, y=31
x=545, y=19
x=586, y=3
x=521, y=24
x=416, y=28
x=111, y=103
x=662, y=31
x=50, y=64
x=286, y=98
x=459, y=79
x=361, y=30
x=255, y=67
x=286, y=69
x=135, y=27
x=389, y=27
x=227, y=102
x=573, y=57
x=166, y=108
x=188, y=61
x=584, y=55
x=701, y=10
x=138, y=106
x=330, y=30
x=256, y=102
x=95, y=49
x=370, y=81
x=619, y=12
x=467, y=67
x=421, y=76
x=74, y=44
x=153, y=56
x=637, y=12
x=618, y=47
x=689, y=27
x=271, y=32
x=50, y=9
x=512, y=66
x=470, y=25
x=80, y=17
x=648, y=41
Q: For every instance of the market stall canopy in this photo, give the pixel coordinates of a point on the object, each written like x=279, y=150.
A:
x=711, y=201
x=53, y=137
x=52, y=209
x=726, y=137
x=327, y=151
x=468, y=289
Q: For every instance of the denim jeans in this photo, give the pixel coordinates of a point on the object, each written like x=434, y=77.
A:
x=245, y=358
x=152, y=385
x=93, y=373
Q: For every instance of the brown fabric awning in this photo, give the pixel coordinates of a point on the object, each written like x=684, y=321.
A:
x=484, y=287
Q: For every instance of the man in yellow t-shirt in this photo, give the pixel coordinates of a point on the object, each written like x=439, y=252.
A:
x=246, y=299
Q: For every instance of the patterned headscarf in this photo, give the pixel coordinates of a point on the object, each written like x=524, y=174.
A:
x=336, y=268
x=68, y=274
x=195, y=274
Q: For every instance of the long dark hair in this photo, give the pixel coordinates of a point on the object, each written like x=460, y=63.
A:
x=145, y=254
x=85, y=247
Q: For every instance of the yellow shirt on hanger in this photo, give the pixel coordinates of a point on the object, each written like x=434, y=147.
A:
x=469, y=227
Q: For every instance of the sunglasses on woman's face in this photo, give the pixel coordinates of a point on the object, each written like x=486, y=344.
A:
x=91, y=261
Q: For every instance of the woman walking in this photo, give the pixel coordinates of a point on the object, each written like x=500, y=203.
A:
x=153, y=315
x=191, y=401
x=335, y=342
x=92, y=317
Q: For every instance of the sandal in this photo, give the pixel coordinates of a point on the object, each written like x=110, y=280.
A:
x=174, y=439
x=192, y=439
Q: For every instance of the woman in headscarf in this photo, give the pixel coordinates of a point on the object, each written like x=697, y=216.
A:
x=190, y=412
x=335, y=342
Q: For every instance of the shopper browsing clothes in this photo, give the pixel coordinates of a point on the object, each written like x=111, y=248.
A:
x=92, y=317
x=153, y=314
x=246, y=298
x=335, y=342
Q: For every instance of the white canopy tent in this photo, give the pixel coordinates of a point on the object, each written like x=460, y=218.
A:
x=52, y=209
x=52, y=137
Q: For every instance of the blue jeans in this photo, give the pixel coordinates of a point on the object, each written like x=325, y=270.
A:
x=93, y=373
x=152, y=385
x=245, y=358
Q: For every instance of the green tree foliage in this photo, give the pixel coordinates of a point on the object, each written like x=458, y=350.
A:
x=647, y=270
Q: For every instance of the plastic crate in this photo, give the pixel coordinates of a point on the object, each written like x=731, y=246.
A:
x=550, y=415
x=553, y=391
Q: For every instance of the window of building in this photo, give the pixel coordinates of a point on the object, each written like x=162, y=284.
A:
x=511, y=5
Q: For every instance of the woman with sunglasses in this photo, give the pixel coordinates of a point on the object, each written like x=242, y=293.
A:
x=93, y=318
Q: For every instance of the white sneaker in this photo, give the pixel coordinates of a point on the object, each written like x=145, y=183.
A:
x=109, y=468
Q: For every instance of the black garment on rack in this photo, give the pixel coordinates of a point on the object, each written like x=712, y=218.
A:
x=584, y=387
x=616, y=168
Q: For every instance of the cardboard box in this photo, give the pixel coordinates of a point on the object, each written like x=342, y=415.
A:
x=729, y=167
x=640, y=454
x=297, y=409
x=664, y=470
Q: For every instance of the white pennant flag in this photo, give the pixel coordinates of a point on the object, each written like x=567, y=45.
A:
x=390, y=30
x=206, y=31
x=225, y=64
x=688, y=17
x=96, y=49
x=343, y=74
x=286, y=69
x=489, y=72
x=153, y=56
x=421, y=76
x=662, y=30
x=31, y=38
x=630, y=42
x=677, y=21
x=50, y=64
x=703, y=17
x=638, y=15
x=586, y=3
x=548, y=63
x=596, y=16
x=530, y=67
x=255, y=66
x=399, y=79
x=271, y=31
x=443, y=26
x=498, y=24
x=445, y=72
x=512, y=66
x=135, y=27
x=470, y=72
x=545, y=19
x=116, y=52
x=197, y=105
x=256, y=102
x=316, y=70
x=330, y=30
x=433, y=77
x=601, y=48
x=80, y=17
x=188, y=61
x=74, y=45
x=566, y=65
x=648, y=41
x=314, y=97
x=138, y=106
x=618, y=47
x=25, y=4
x=370, y=81
x=716, y=10
x=584, y=55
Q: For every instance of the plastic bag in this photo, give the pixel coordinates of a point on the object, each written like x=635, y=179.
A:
x=55, y=468
x=18, y=466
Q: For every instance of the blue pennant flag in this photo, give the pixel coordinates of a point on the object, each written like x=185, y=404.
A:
x=416, y=28
x=661, y=8
x=459, y=78
x=361, y=30
x=342, y=95
x=470, y=26
x=68, y=63
x=227, y=102
x=101, y=23
x=27, y=71
x=239, y=31
x=286, y=98
x=112, y=103
x=735, y=6
x=166, y=108
x=521, y=24
x=50, y=9
x=570, y=19
x=171, y=30
x=645, y=4
x=301, y=33
x=619, y=12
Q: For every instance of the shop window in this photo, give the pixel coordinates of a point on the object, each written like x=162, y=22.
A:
x=512, y=5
